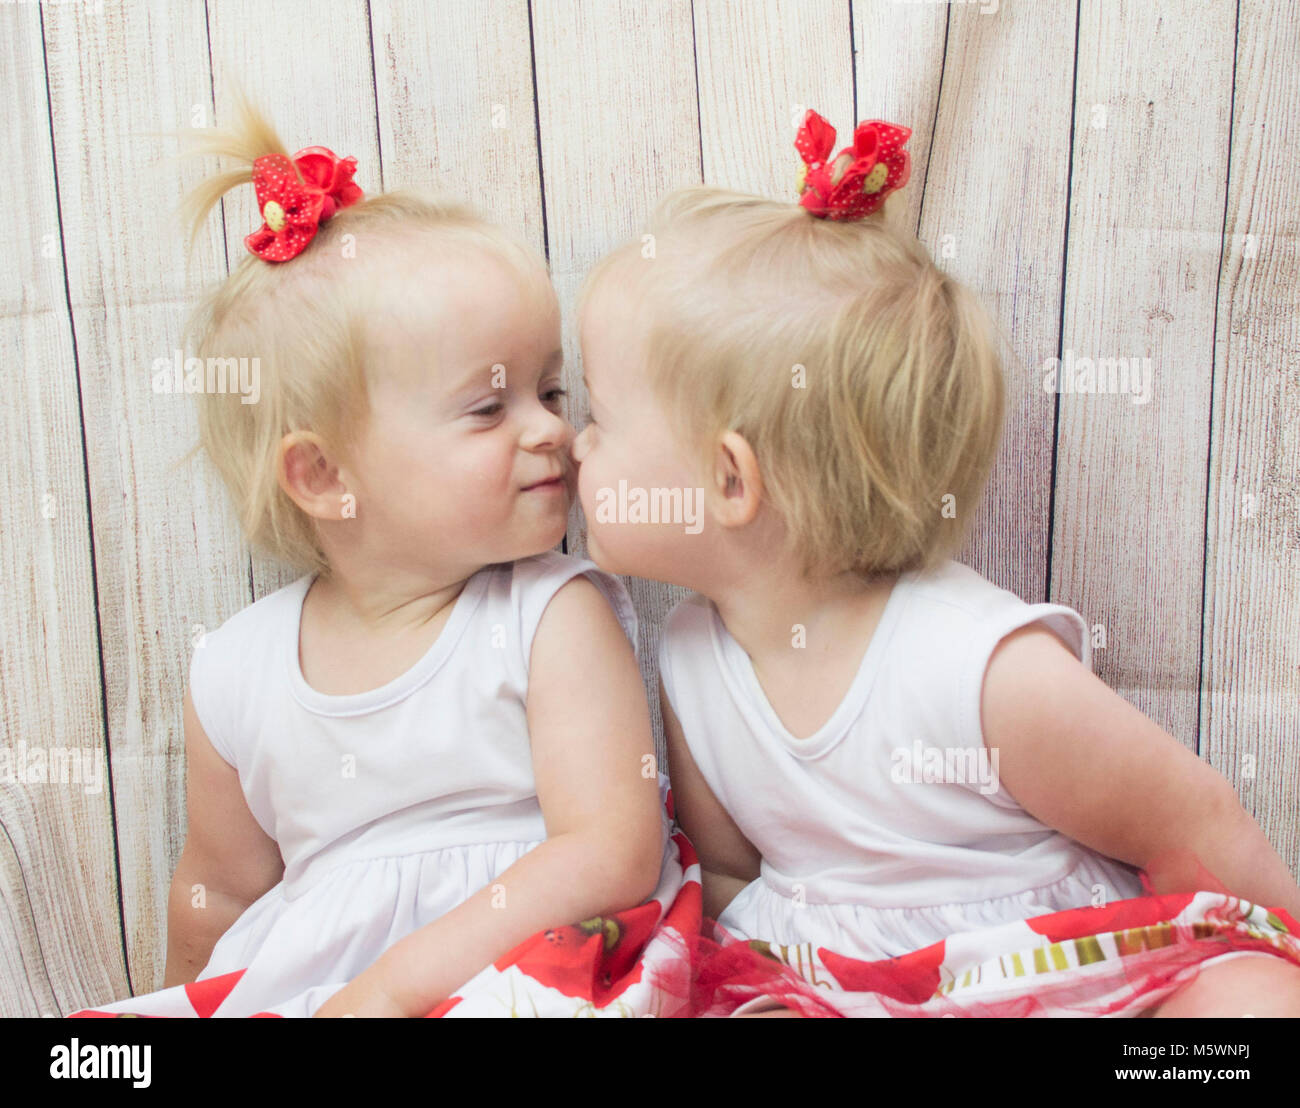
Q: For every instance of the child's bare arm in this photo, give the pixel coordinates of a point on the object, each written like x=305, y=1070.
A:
x=1080, y=758
x=226, y=852
x=589, y=726
x=728, y=860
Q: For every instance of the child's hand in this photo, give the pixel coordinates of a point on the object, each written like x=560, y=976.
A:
x=363, y=997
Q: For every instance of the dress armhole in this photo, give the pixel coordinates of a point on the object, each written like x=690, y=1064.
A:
x=545, y=576
x=666, y=670
x=209, y=698
x=1062, y=621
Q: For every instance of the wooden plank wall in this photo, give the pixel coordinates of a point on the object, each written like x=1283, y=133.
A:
x=1115, y=178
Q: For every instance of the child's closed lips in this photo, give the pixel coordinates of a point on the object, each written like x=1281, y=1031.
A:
x=560, y=478
x=553, y=483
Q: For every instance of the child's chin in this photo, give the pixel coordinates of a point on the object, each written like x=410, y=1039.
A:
x=539, y=541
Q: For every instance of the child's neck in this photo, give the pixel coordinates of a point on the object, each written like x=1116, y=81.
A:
x=805, y=637
x=382, y=599
x=357, y=635
x=761, y=609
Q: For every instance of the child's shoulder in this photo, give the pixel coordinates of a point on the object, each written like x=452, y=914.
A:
x=233, y=667
x=239, y=651
x=690, y=619
x=254, y=623
x=534, y=581
x=953, y=592
x=952, y=602
x=548, y=567
x=961, y=605
x=960, y=592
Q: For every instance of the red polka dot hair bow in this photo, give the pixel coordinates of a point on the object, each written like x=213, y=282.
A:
x=857, y=181
x=296, y=197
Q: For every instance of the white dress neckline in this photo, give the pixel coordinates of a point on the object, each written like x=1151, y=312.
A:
x=371, y=700
x=738, y=670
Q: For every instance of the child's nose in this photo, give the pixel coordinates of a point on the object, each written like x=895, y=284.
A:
x=548, y=430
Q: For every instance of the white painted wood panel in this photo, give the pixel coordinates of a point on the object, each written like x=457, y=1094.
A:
x=1250, y=676
x=1142, y=259
x=164, y=558
x=56, y=838
x=993, y=217
x=1120, y=188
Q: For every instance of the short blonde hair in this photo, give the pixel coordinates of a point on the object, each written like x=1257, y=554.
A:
x=305, y=321
x=866, y=380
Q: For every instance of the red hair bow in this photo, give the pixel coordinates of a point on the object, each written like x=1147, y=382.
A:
x=296, y=197
x=856, y=183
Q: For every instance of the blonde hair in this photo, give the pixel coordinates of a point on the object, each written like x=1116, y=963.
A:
x=867, y=382
x=305, y=321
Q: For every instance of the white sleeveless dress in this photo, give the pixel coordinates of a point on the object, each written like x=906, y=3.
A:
x=887, y=832
x=391, y=806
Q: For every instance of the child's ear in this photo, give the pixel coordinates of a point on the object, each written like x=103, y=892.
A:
x=737, y=487
x=308, y=477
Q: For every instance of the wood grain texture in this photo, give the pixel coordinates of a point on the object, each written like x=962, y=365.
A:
x=1250, y=678
x=1120, y=188
x=759, y=68
x=164, y=556
x=1146, y=215
x=992, y=216
x=60, y=933
x=456, y=109
x=615, y=136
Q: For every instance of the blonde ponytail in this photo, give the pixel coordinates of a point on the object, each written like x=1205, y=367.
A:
x=251, y=136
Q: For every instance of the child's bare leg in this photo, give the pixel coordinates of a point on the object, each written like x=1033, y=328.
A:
x=1259, y=985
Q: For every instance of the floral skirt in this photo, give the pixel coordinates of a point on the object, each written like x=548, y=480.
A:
x=664, y=958
x=630, y=963
x=1119, y=960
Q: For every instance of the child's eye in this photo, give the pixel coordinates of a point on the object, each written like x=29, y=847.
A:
x=490, y=410
x=554, y=394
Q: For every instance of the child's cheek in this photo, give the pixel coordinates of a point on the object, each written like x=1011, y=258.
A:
x=587, y=485
x=597, y=492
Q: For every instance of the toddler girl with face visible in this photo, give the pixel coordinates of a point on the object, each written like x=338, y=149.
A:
x=421, y=777
x=908, y=792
